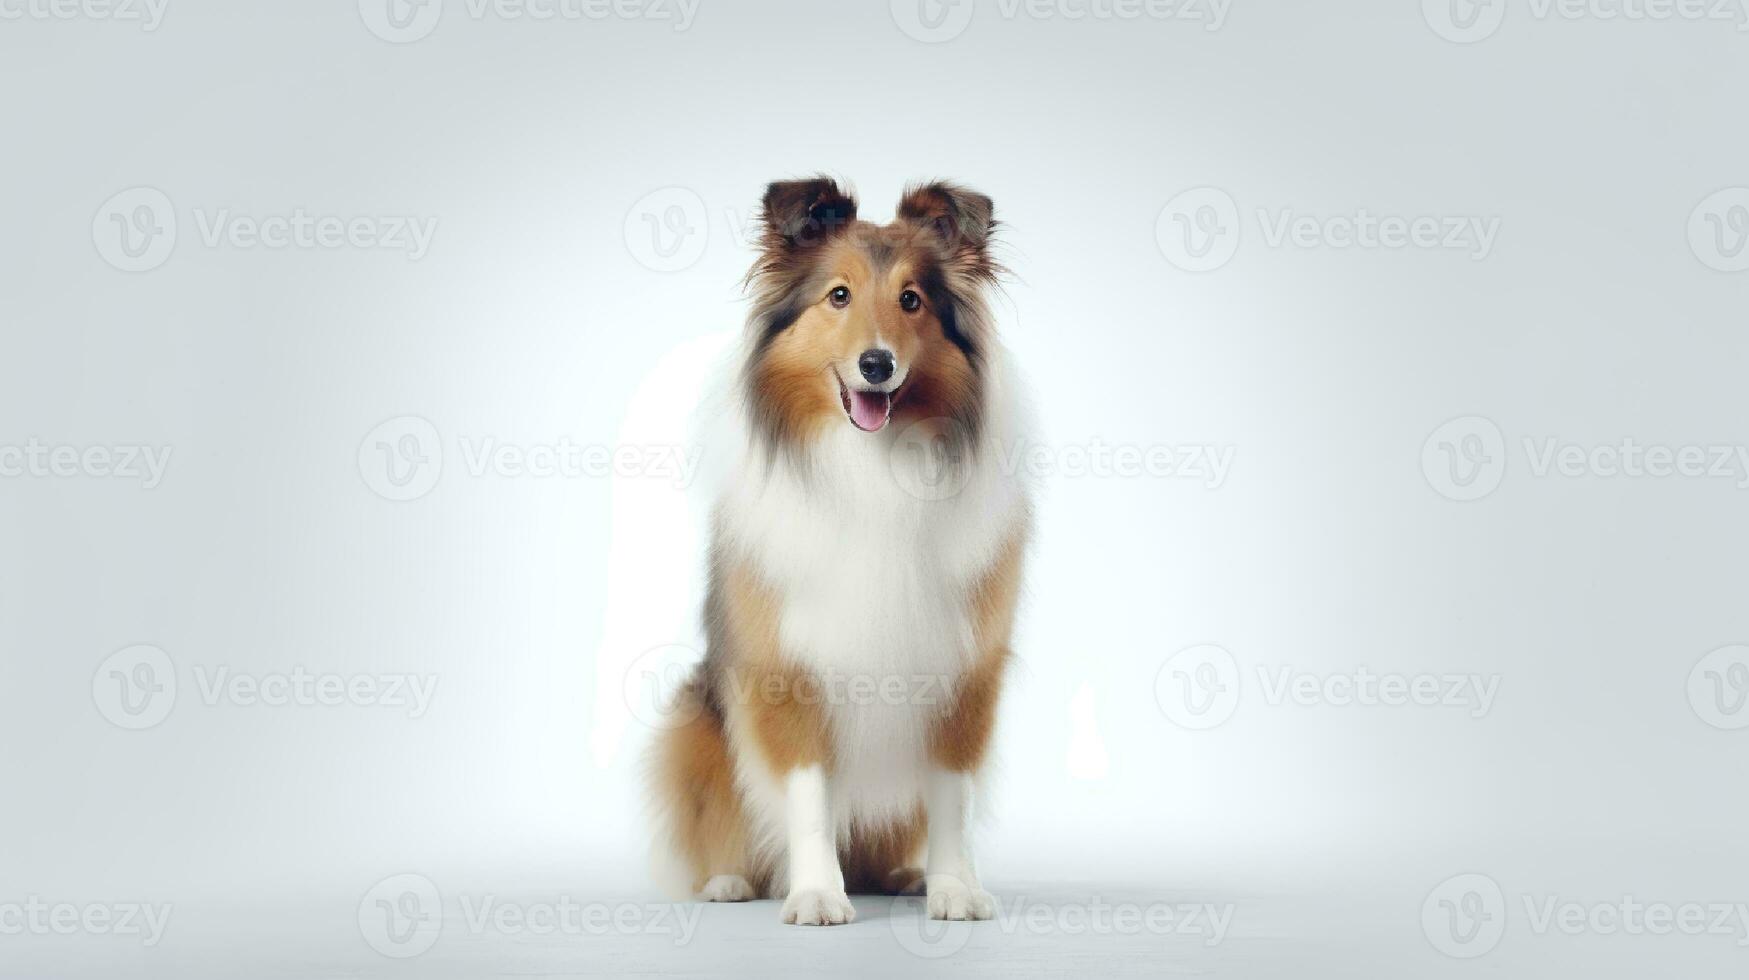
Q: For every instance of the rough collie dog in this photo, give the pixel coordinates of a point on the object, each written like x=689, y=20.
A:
x=864, y=569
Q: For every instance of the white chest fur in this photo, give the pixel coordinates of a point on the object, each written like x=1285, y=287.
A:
x=874, y=566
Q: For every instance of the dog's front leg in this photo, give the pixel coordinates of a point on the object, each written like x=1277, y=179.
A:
x=957, y=750
x=957, y=746
x=816, y=882
x=949, y=876
x=778, y=706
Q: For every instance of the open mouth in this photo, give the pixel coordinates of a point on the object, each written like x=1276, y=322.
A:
x=868, y=410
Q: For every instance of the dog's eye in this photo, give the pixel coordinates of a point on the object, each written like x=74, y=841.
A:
x=839, y=296
x=910, y=302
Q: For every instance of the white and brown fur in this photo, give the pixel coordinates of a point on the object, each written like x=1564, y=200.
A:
x=794, y=778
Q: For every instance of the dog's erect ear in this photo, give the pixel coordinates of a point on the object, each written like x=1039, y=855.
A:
x=800, y=213
x=961, y=220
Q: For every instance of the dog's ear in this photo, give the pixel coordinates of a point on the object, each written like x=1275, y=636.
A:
x=960, y=221
x=800, y=213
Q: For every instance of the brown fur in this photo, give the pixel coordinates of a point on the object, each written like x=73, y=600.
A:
x=772, y=699
x=694, y=778
x=962, y=735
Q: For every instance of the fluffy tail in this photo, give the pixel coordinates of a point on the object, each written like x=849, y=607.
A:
x=701, y=830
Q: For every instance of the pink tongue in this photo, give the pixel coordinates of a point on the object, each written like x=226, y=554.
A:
x=868, y=409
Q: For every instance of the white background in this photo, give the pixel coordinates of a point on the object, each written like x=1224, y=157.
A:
x=1608, y=305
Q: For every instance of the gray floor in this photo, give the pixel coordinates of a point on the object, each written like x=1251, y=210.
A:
x=1057, y=929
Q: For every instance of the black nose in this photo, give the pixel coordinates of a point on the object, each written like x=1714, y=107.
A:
x=876, y=365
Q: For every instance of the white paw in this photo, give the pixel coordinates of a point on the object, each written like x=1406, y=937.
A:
x=818, y=907
x=950, y=898
x=726, y=888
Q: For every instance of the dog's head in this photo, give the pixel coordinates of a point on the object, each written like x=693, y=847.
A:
x=861, y=324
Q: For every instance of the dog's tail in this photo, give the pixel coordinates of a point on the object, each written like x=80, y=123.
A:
x=700, y=827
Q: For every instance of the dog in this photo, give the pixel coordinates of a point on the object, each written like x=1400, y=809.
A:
x=864, y=571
